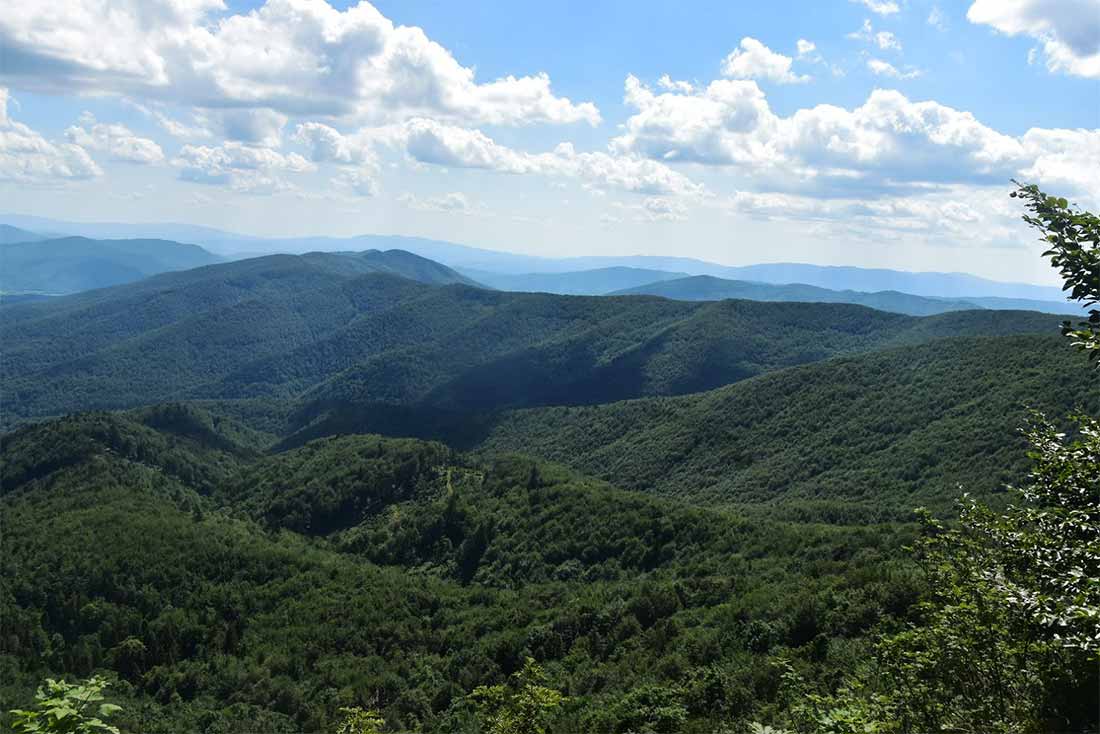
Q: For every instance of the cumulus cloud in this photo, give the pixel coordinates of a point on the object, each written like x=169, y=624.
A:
x=720, y=123
x=885, y=68
x=667, y=82
x=327, y=144
x=880, y=7
x=805, y=48
x=256, y=127
x=117, y=141
x=355, y=63
x=432, y=142
x=754, y=60
x=888, y=145
x=28, y=158
x=243, y=168
x=1069, y=30
x=1067, y=160
x=362, y=181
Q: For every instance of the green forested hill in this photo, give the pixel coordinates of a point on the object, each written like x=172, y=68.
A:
x=888, y=430
x=326, y=330
x=156, y=546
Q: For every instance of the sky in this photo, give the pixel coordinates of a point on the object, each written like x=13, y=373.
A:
x=879, y=133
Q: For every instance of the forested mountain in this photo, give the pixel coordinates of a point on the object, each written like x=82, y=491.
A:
x=330, y=329
x=597, y=282
x=72, y=264
x=156, y=553
x=884, y=431
x=709, y=288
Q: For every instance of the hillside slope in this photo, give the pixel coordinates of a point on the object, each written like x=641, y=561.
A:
x=888, y=430
x=156, y=547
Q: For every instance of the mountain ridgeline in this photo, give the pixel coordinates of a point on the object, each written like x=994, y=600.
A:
x=327, y=329
x=709, y=288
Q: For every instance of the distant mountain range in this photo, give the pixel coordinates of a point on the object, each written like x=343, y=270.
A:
x=10, y=234
x=469, y=259
x=597, y=282
x=709, y=288
x=72, y=264
x=339, y=331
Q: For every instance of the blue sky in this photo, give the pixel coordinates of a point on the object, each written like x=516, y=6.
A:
x=869, y=132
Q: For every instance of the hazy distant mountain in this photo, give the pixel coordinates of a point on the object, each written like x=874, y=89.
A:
x=944, y=285
x=10, y=234
x=596, y=282
x=464, y=257
x=188, y=233
x=1027, y=304
x=709, y=288
x=72, y=264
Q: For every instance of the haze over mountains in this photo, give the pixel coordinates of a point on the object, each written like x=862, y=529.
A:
x=510, y=271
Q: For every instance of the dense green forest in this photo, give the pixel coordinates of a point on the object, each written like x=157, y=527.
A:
x=411, y=576
x=392, y=501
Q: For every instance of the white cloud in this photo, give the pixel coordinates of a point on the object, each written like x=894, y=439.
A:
x=454, y=201
x=880, y=7
x=432, y=142
x=885, y=40
x=890, y=144
x=327, y=144
x=717, y=124
x=243, y=168
x=1067, y=160
x=1068, y=29
x=255, y=127
x=667, y=82
x=362, y=181
x=754, y=60
x=805, y=48
x=664, y=209
x=28, y=158
x=354, y=63
x=885, y=68
x=115, y=140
